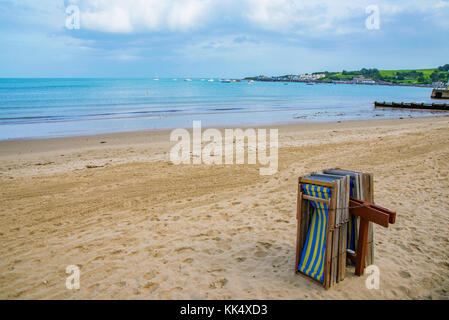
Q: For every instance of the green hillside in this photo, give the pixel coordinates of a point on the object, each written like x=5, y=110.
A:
x=410, y=76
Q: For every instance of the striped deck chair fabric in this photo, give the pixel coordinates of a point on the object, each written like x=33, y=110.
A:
x=313, y=254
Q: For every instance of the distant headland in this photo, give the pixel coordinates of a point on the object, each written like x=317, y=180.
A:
x=436, y=77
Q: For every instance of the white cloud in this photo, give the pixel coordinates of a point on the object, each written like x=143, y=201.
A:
x=334, y=16
x=118, y=16
x=301, y=16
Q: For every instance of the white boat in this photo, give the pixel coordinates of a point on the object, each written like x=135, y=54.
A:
x=211, y=80
x=156, y=79
x=250, y=81
x=188, y=79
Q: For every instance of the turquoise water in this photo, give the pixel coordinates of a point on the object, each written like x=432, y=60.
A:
x=38, y=108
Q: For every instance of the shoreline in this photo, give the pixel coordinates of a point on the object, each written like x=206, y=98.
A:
x=91, y=140
x=296, y=121
x=354, y=83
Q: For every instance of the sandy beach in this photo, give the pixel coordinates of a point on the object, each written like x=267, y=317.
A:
x=140, y=227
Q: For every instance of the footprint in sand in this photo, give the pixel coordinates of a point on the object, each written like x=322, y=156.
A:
x=156, y=254
x=218, y=284
x=260, y=254
x=149, y=275
x=98, y=258
x=182, y=249
x=266, y=245
x=405, y=274
x=148, y=288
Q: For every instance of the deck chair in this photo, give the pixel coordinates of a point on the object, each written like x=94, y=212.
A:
x=312, y=259
x=321, y=236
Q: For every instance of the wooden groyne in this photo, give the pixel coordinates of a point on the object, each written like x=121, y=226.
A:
x=413, y=105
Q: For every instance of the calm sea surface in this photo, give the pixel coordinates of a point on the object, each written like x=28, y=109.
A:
x=37, y=108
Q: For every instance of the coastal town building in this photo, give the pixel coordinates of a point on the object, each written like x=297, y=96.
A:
x=362, y=79
x=309, y=77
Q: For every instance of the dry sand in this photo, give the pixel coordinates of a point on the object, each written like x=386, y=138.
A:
x=141, y=228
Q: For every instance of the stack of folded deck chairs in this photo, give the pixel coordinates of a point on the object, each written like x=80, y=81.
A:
x=326, y=229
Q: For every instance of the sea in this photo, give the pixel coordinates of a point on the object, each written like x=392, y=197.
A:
x=46, y=108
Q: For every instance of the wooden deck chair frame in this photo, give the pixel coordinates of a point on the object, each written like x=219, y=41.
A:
x=303, y=212
x=368, y=195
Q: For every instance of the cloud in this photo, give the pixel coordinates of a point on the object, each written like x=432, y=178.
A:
x=299, y=16
x=118, y=16
x=337, y=17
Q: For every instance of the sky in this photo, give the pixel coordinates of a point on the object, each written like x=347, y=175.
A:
x=218, y=38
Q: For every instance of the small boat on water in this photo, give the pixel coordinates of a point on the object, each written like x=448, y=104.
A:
x=250, y=81
x=225, y=80
x=188, y=79
x=211, y=80
x=156, y=79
